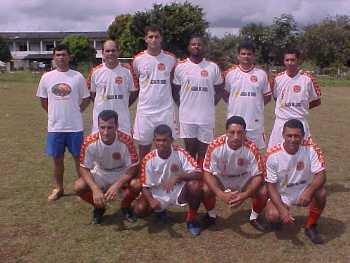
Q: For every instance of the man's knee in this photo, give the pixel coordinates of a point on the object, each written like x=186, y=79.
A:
x=272, y=215
x=321, y=194
x=135, y=185
x=141, y=207
x=206, y=191
x=80, y=186
x=194, y=187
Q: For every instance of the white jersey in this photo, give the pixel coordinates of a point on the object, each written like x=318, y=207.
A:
x=155, y=170
x=233, y=168
x=293, y=95
x=293, y=172
x=247, y=90
x=108, y=160
x=112, y=88
x=64, y=91
x=153, y=73
x=197, y=92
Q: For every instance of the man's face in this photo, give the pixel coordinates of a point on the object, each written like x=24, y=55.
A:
x=235, y=136
x=195, y=46
x=110, y=52
x=290, y=61
x=153, y=40
x=163, y=143
x=292, y=139
x=246, y=56
x=107, y=130
x=61, y=59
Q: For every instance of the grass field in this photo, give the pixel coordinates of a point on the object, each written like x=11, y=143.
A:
x=33, y=230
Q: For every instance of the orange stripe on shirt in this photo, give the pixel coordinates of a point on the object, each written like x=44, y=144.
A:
x=212, y=146
x=128, y=141
x=91, y=72
x=232, y=68
x=254, y=149
x=309, y=143
x=314, y=82
x=187, y=155
x=87, y=141
x=148, y=157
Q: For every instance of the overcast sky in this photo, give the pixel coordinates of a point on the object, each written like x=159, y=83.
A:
x=92, y=15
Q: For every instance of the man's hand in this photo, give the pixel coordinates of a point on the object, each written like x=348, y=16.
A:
x=111, y=193
x=169, y=184
x=99, y=198
x=228, y=196
x=237, y=199
x=305, y=198
x=154, y=204
x=286, y=216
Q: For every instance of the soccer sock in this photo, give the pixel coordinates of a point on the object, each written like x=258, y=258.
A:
x=191, y=214
x=258, y=205
x=209, y=204
x=129, y=197
x=87, y=197
x=314, y=214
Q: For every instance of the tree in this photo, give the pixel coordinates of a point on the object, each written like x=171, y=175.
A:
x=222, y=50
x=80, y=49
x=5, y=54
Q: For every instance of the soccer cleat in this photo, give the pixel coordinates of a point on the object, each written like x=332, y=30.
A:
x=194, y=228
x=97, y=215
x=207, y=220
x=258, y=225
x=55, y=194
x=162, y=216
x=128, y=215
x=276, y=226
x=312, y=233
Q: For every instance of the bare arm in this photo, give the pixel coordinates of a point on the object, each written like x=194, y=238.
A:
x=176, y=93
x=267, y=99
x=219, y=93
x=173, y=180
x=85, y=102
x=153, y=203
x=133, y=96
x=97, y=193
x=44, y=103
x=214, y=186
x=92, y=96
x=314, y=103
x=318, y=182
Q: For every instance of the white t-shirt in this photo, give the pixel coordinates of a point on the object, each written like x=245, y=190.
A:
x=247, y=91
x=293, y=95
x=293, y=172
x=108, y=160
x=154, y=74
x=233, y=167
x=197, y=91
x=64, y=91
x=155, y=170
x=112, y=88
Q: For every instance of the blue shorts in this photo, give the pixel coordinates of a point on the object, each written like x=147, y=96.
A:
x=58, y=141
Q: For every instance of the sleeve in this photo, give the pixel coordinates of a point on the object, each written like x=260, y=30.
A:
x=87, y=157
x=266, y=86
x=227, y=86
x=131, y=156
x=317, y=159
x=84, y=92
x=211, y=162
x=273, y=85
x=218, y=76
x=177, y=77
x=92, y=83
x=188, y=164
x=42, y=89
x=271, y=170
x=313, y=89
x=255, y=165
x=147, y=177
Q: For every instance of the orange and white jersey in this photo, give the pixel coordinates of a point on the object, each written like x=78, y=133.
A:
x=233, y=167
x=247, y=90
x=197, y=92
x=293, y=95
x=153, y=73
x=107, y=160
x=155, y=170
x=293, y=172
x=112, y=88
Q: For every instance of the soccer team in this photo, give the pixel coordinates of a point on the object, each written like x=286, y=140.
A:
x=232, y=167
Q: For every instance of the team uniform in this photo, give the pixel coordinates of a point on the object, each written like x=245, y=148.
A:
x=233, y=168
x=64, y=91
x=155, y=171
x=246, y=99
x=112, y=88
x=293, y=172
x=108, y=163
x=197, y=108
x=155, y=105
x=293, y=96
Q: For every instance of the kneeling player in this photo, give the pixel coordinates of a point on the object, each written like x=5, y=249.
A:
x=233, y=171
x=108, y=165
x=296, y=176
x=170, y=176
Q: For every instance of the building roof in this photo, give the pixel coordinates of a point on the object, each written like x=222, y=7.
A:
x=51, y=35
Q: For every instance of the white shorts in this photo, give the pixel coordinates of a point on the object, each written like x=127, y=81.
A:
x=292, y=198
x=104, y=181
x=276, y=133
x=237, y=183
x=145, y=125
x=204, y=133
x=168, y=199
x=258, y=138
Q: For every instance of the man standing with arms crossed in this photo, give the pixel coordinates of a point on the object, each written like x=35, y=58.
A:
x=64, y=96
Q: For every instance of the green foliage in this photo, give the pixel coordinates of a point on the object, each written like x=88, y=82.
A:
x=80, y=49
x=5, y=54
x=223, y=50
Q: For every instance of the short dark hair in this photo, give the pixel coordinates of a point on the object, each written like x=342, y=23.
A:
x=201, y=37
x=110, y=39
x=163, y=130
x=61, y=47
x=294, y=124
x=246, y=44
x=106, y=115
x=236, y=120
x=291, y=51
x=152, y=28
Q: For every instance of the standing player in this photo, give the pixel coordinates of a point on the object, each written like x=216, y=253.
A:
x=170, y=176
x=295, y=92
x=296, y=175
x=63, y=95
x=111, y=83
x=108, y=165
x=199, y=82
x=153, y=67
x=233, y=171
x=247, y=91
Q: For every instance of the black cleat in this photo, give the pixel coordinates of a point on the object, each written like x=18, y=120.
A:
x=207, y=220
x=258, y=225
x=97, y=215
x=312, y=233
x=129, y=215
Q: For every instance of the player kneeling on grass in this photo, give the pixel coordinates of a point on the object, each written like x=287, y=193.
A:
x=169, y=176
x=295, y=176
x=108, y=166
x=233, y=171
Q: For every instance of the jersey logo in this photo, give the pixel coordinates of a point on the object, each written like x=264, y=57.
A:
x=174, y=168
x=240, y=162
x=119, y=80
x=204, y=73
x=296, y=88
x=300, y=166
x=161, y=67
x=253, y=78
x=61, y=89
x=116, y=156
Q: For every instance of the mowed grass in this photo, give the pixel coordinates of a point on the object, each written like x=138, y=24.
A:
x=33, y=230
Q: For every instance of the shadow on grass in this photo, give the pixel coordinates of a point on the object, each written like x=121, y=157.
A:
x=336, y=188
